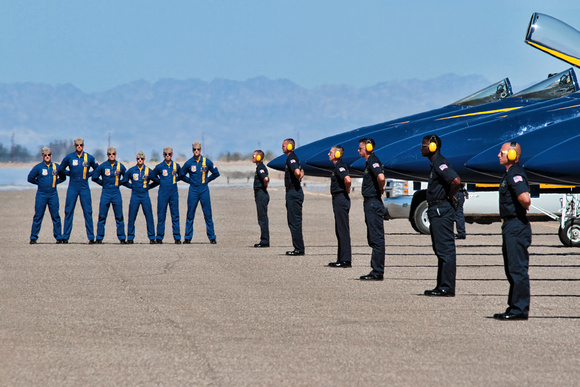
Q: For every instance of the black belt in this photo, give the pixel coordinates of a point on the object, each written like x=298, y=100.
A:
x=435, y=202
x=371, y=198
x=337, y=194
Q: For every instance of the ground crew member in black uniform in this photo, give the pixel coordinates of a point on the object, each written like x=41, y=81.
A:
x=516, y=232
x=46, y=176
x=293, y=174
x=373, y=186
x=339, y=189
x=441, y=189
x=261, y=197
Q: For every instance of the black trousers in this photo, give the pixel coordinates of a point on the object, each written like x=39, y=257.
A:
x=262, y=199
x=516, y=238
x=441, y=219
x=294, y=200
x=341, y=208
x=459, y=216
x=374, y=218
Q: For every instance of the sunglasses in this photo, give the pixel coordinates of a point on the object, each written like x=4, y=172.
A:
x=196, y=149
x=48, y=154
x=111, y=154
x=140, y=158
x=167, y=154
x=81, y=145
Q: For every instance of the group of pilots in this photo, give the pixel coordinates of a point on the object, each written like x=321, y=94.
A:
x=443, y=184
x=79, y=166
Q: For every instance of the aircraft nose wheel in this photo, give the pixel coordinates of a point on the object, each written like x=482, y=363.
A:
x=570, y=233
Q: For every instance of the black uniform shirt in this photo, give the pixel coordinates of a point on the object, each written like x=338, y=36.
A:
x=261, y=174
x=370, y=184
x=440, y=178
x=290, y=179
x=513, y=183
x=337, y=178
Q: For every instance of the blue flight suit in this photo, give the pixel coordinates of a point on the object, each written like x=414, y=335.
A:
x=78, y=170
x=46, y=177
x=262, y=198
x=441, y=215
x=140, y=181
x=199, y=192
x=516, y=235
x=110, y=177
x=294, y=201
x=374, y=210
x=168, y=176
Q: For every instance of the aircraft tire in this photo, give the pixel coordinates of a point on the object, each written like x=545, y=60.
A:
x=421, y=219
x=570, y=234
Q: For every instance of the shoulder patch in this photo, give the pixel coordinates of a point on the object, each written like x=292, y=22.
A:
x=443, y=167
x=341, y=169
x=376, y=165
x=518, y=178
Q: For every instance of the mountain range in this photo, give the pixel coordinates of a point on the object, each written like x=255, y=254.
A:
x=224, y=115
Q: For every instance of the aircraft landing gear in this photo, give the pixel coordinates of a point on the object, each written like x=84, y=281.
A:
x=570, y=233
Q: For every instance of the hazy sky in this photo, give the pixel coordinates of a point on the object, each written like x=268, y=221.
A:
x=97, y=45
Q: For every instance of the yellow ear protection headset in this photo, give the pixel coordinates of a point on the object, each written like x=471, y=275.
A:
x=433, y=144
x=289, y=146
x=258, y=157
x=337, y=154
x=369, y=145
x=512, y=154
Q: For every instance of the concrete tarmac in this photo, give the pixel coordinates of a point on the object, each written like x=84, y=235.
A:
x=230, y=314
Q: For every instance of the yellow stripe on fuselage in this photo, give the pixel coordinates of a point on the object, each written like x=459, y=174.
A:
x=480, y=113
x=563, y=108
x=566, y=58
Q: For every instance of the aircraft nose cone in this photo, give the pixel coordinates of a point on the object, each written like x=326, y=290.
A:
x=559, y=162
x=487, y=163
x=279, y=163
x=320, y=160
x=359, y=165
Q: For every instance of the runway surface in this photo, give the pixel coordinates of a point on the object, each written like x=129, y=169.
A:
x=229, y=314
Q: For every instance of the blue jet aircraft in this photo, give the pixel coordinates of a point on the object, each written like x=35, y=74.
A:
x=544, y=119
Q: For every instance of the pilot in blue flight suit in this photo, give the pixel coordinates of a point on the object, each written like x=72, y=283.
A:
x=110, y=175
x=168, y=174
x=45, y=175
x=140, y=180
x=78, y=164
x=516, y=232
x=441, y=189
x=198, y=167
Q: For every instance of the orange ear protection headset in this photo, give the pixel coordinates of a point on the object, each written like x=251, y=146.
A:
x=369, y=145
x=433, y=144
x=512, y=154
